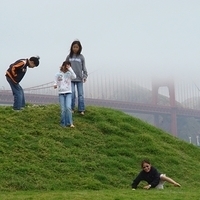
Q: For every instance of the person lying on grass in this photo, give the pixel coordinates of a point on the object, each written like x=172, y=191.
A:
x=151, y=175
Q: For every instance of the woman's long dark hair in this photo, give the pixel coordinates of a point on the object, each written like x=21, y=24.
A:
x=80, y=48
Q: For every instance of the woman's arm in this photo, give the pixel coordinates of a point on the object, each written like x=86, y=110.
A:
x=136, y=181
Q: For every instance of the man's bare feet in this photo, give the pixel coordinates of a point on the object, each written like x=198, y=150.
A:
x=177, y=185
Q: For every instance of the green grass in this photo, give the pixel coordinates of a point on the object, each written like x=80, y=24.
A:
x=98, y=159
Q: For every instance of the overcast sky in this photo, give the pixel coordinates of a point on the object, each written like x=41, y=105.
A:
x=129, y=37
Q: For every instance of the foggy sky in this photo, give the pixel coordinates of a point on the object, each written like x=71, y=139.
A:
x=131, y=38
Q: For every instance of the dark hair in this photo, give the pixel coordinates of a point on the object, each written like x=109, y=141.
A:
x=145, y=161
x=35, y=59
x=64, y=64
x=80, y=48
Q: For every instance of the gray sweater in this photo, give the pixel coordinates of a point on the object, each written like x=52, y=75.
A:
x=78, y=66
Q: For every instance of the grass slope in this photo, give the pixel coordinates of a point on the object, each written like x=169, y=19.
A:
x=103, y=151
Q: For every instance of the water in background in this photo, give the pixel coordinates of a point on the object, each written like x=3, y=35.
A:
x=5, y=104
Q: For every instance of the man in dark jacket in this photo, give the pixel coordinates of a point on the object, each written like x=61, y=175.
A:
x=15, y=74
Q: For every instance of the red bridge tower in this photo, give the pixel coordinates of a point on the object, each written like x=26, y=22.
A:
x=169, y=83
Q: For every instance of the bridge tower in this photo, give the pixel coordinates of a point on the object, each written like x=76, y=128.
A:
x=169, y=83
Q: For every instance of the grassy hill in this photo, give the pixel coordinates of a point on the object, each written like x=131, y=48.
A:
x=102, y=152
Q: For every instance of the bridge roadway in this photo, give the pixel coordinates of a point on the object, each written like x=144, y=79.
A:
x=7, y=98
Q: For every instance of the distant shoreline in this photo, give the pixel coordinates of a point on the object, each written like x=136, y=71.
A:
x=5, y=104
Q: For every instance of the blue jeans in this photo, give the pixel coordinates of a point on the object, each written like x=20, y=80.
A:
x=18, y=93
x=81, y=104
x=65, y=105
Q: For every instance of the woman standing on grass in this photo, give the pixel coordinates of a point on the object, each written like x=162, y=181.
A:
x=152, y=177
x=78, y=65
x=63, y=83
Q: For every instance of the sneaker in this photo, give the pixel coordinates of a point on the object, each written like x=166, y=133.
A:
x=82, y=113
x=72, y=126
x=160, y=186
x=161, y=183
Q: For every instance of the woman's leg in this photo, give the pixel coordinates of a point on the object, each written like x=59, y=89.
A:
x=68, y=98
x=81, y=102
x=169, y=180
x=63, y=111
x=73, y=84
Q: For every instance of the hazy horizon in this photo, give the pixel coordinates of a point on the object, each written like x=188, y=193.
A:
x=130, y=38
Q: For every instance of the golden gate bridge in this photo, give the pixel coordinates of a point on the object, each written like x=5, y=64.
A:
x=134, y=98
